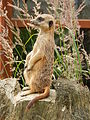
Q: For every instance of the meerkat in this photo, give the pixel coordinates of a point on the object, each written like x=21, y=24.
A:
x=39, y=62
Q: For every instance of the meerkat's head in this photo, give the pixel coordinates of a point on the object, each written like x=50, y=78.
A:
x=44, y=22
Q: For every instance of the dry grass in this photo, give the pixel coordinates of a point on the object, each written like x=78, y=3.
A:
x=72, y=53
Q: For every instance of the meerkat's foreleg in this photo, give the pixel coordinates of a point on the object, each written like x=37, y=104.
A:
x=39, y=55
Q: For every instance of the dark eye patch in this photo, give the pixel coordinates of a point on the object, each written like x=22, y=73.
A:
x=40, y=19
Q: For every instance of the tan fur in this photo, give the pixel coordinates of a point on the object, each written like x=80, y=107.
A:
x=39, y=62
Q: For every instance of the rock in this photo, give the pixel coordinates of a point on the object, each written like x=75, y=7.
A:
x=8, y=88
x=69, y=101
x=73, y=100
x=37, y=111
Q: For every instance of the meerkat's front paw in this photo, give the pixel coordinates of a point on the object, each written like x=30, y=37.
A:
x=29, y=67
x=25, y=66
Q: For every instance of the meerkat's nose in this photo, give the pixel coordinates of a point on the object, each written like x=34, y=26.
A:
x=34, y=22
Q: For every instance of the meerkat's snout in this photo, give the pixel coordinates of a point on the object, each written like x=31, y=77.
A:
x=34, y=22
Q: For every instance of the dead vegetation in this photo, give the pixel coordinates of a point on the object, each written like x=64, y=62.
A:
x=71, y=60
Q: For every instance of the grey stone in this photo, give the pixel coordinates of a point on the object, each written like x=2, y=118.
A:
x=69, y=101
x=8, y=89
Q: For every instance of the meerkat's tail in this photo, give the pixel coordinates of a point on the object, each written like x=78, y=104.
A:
x=41, y=96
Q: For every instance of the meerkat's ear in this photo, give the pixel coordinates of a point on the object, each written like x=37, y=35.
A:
x=50, y=23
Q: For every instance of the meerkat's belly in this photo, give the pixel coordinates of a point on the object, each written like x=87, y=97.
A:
x=40, y=75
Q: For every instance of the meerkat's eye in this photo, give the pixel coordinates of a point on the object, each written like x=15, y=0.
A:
x=40, y=19
x=50, y=23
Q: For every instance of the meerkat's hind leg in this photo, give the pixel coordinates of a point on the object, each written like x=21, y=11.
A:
x=26, y=88
x=25, y=93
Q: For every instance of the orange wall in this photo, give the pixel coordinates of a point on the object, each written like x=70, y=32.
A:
x=3, y=69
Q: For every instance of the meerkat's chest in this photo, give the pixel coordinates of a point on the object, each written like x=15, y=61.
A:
x=45, y=44
x=39, y=44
